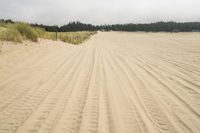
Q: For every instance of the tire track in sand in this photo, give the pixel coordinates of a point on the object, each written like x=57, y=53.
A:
x=114, y=83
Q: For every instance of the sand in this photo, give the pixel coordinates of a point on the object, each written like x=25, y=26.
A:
x=116, y=82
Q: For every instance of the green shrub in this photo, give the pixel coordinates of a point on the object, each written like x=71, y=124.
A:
x=27, y=31
x=11, y=35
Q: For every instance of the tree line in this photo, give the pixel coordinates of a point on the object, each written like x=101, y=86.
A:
x=151, y=27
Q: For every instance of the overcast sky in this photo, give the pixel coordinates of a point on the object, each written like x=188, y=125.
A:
x=100, y=11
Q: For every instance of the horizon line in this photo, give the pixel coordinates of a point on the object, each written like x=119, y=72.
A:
x=28, y=22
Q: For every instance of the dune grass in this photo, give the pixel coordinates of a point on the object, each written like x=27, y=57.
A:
x=75, y=37
x=50, y=35
x=19, y=32
x=11, y=35
x=32, y=33
x=27, y=32
x=69, y=37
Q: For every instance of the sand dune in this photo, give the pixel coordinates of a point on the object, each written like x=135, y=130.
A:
x=114, y=83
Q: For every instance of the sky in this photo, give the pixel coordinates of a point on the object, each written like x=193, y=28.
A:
x=59, y=12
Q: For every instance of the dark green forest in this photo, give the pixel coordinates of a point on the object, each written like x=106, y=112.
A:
x=151, y=27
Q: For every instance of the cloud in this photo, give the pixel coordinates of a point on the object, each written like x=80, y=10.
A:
x=100, y=11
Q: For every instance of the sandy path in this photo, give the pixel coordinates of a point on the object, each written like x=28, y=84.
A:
x=114, y=83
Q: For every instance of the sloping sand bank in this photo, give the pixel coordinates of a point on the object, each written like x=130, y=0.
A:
x=114, y=83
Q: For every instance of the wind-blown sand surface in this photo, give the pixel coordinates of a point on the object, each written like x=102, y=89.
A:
x=114, y=83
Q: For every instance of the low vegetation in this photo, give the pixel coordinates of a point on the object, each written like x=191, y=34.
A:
x=74, y=37
x=27, y=32
x=11, y=35
x=50, y=35
x=18, y=32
